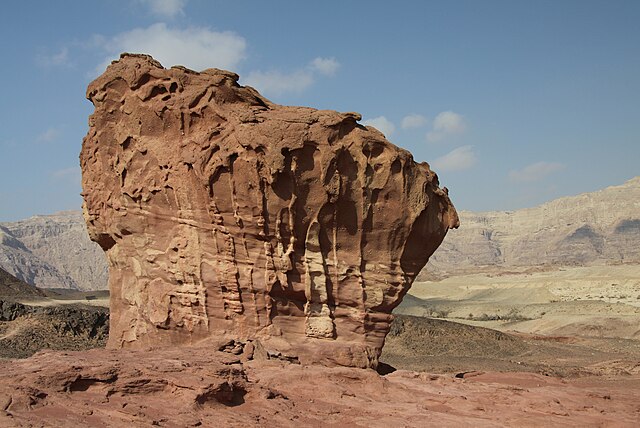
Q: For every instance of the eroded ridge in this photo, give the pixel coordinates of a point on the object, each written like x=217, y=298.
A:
x=223, y=214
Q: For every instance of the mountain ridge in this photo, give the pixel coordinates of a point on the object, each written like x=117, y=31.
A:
x=53, y=251
x=593, y=227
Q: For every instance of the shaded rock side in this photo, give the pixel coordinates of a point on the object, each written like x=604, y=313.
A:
x=223, y=214
x=12, y=287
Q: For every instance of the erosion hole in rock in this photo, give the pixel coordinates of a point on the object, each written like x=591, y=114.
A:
x=229, y=394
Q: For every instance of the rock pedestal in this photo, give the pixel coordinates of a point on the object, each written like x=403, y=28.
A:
x=225, y=215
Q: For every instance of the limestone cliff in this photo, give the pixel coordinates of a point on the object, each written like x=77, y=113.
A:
x=53, y=251
x=223, y=214
x=592, y=228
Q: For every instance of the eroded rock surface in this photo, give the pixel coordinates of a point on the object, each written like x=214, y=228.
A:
x=223, y=214
x=207, y=387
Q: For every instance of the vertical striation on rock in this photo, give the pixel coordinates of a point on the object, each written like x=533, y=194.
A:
x=225, y=215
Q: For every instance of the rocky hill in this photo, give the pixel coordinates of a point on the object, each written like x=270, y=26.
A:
x=53, y=251
x=30, y=321
x=10, y=286
x=592, y=228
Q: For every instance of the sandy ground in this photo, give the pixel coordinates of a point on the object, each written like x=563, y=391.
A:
x=594, y=301
x=100, y=302
x=99, y=298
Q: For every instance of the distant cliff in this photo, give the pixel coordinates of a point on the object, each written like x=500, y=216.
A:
x=591, y=228
x=53, y=251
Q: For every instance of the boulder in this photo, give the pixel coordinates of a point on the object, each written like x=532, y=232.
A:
x=224, y=215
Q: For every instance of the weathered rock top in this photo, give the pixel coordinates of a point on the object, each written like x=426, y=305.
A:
x=225, y=215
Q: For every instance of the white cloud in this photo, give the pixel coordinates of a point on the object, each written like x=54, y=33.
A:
x=456, y=160
x=194, y=47
x=535, y=172
x=275, y=82
x=325, y=66
x=449, y=122
x=382, y=124
x=166, y=8
x=278, y=83
x=200, y=48
x=48, y=136
x=445, y=124
x=60, y=58
x=413, y=121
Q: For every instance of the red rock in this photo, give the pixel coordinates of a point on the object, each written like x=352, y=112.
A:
x=205, y=387
x=225, y=215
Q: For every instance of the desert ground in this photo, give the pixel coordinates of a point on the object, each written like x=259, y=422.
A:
x=595, y=301
x=98, y=298
x=524, y=347
x=569, y=321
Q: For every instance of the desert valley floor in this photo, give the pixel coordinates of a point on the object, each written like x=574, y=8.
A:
x=525, y=347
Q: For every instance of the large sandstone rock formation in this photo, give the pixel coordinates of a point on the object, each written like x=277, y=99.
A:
x=223, y=214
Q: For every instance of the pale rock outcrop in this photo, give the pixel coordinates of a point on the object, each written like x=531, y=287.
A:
x=53, y=251
x=592, y=228
x=225, y=215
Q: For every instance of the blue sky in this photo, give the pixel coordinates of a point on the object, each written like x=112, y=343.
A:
x=513, y=103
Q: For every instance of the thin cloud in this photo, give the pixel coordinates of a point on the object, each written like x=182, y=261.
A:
x=194, y=47
x=445, y=124
x=72, y=173
x=275, y=82
x=325, y=66
x=49, y=135
x=535, y=172
x=165, y=8
x=382, y=124
x=413, y=121
x=278, y=83
x=58, y=59
x=456, y=160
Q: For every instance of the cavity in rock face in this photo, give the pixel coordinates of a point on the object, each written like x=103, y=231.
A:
x=225, y=215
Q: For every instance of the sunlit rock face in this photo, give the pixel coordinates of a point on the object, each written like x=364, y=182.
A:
x=225, y=215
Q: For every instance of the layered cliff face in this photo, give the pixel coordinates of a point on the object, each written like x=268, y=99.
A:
x=223, y=214
x=53, y=251
x=588, y=229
